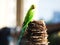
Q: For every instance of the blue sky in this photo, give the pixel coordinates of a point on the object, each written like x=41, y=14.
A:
x=44, y=8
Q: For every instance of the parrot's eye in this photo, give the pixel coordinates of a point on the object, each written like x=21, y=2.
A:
x=33, y=7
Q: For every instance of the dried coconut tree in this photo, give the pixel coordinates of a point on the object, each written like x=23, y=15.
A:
x=36, y=33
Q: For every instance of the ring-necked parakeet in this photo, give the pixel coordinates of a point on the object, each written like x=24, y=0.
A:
x=27, y=20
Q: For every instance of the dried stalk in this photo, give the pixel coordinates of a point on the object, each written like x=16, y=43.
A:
x=37, y=33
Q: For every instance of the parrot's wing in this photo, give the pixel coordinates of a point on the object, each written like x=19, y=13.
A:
x=28, y=18
x=29, y=15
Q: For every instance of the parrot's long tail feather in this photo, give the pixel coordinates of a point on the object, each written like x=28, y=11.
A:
x=28, y=18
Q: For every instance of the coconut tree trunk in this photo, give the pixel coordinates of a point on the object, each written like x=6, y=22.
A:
x=36, y=33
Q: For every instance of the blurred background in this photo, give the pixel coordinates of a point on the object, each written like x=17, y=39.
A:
x=12, y=13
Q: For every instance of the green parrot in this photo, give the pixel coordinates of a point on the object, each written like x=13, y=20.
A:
x=27, y=20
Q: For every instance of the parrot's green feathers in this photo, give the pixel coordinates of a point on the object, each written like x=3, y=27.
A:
x=29, y=15
x=27, y=20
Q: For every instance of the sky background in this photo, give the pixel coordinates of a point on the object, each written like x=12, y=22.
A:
x=7, y=13
x=45, y=9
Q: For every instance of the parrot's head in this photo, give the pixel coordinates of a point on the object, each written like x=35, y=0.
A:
x=32, y=7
